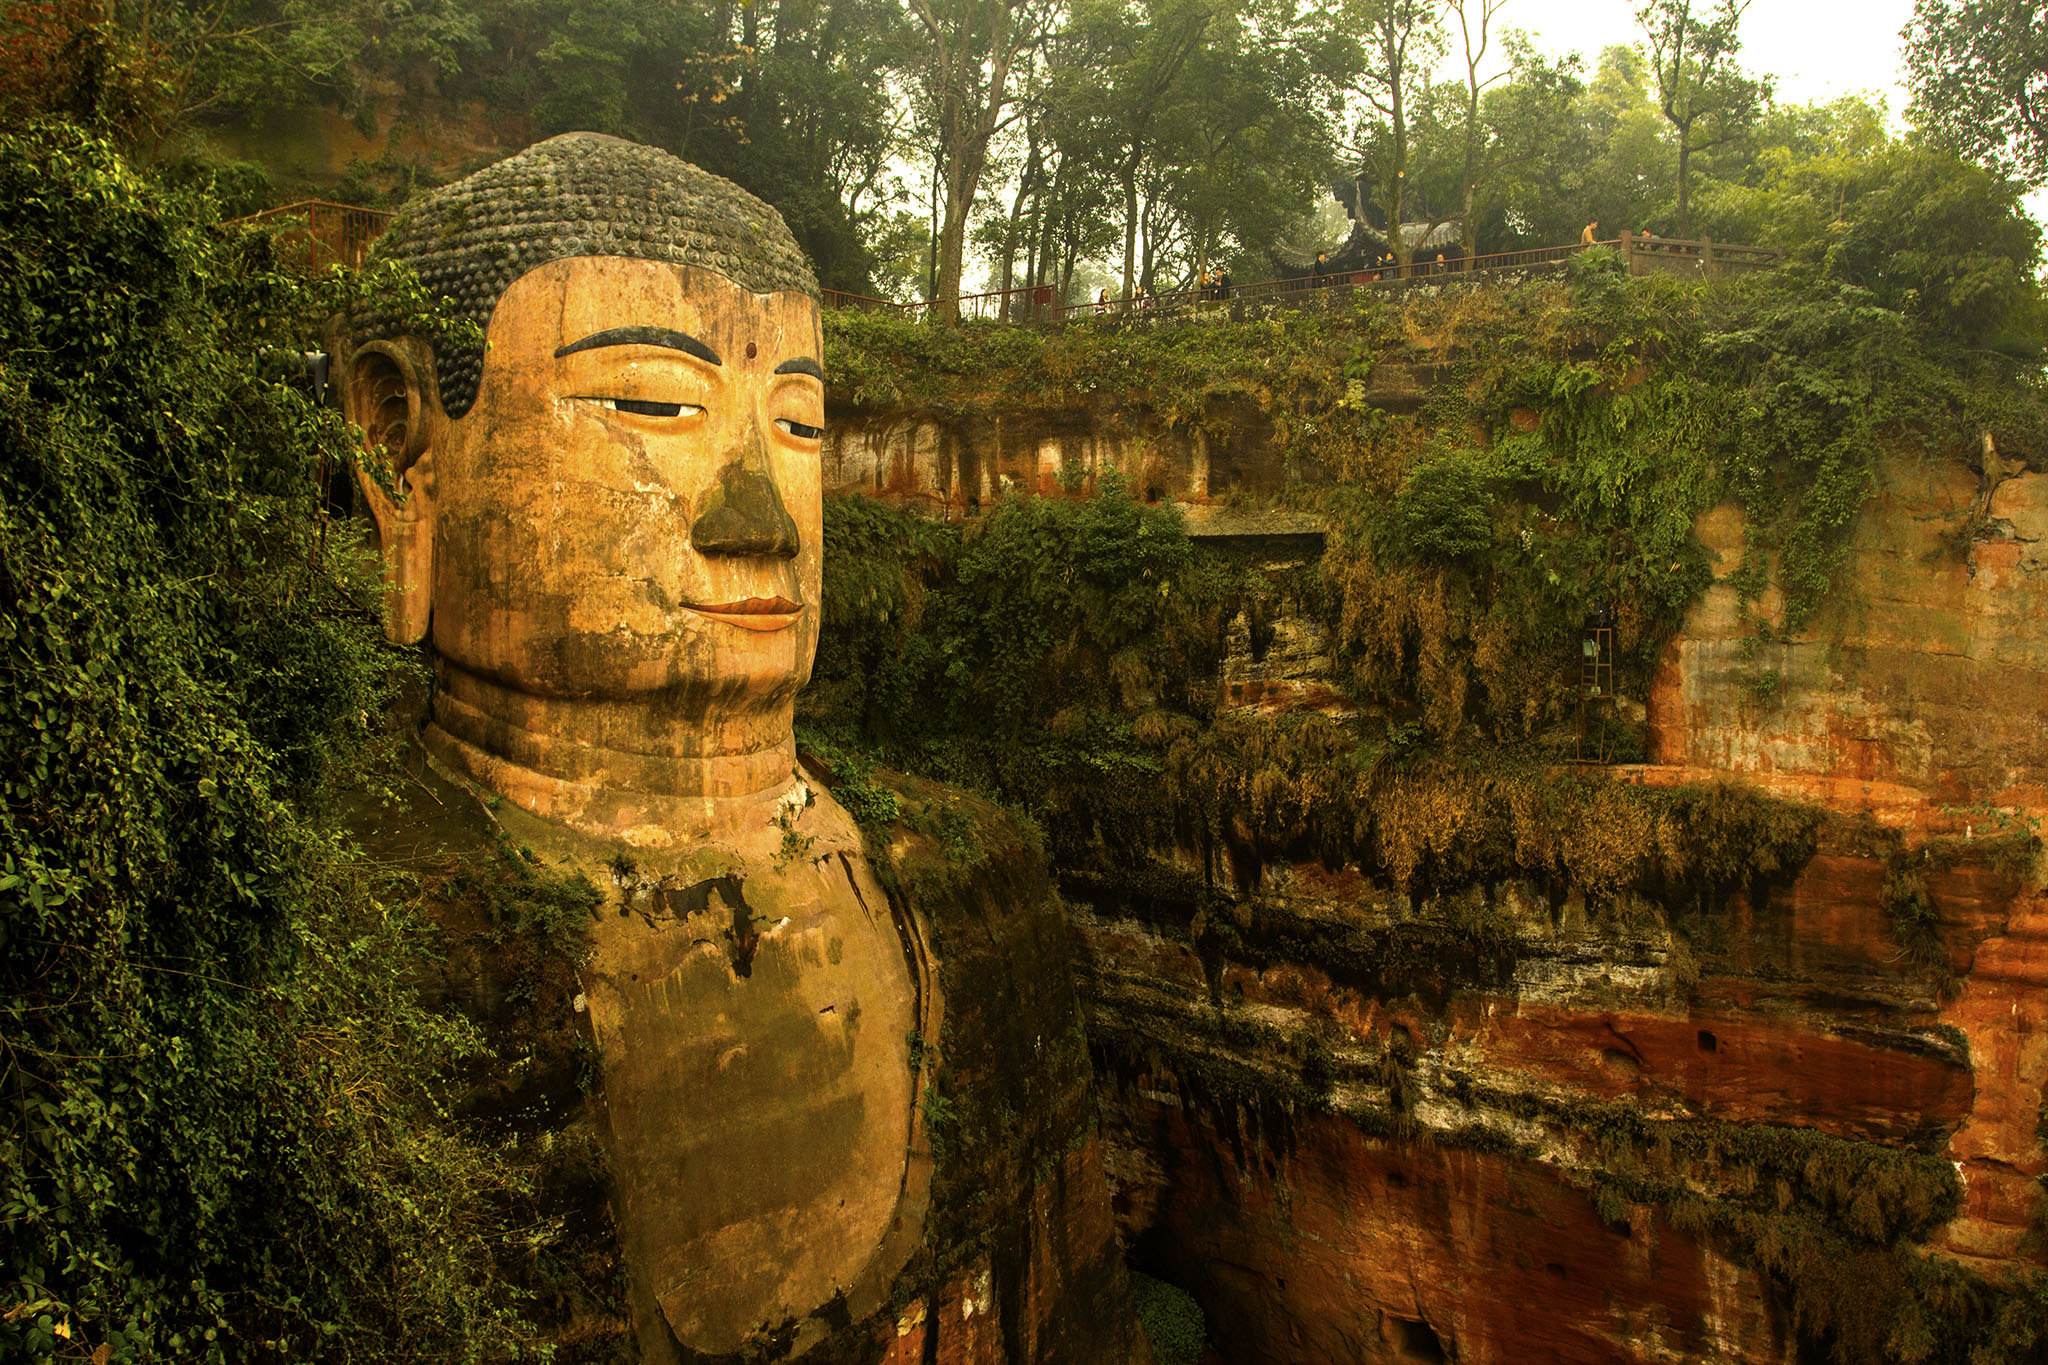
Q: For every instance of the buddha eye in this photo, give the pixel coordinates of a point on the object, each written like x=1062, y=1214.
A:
x=641, y=407
x=799, y=429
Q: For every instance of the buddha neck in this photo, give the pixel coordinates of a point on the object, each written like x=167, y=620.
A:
x=643, y=770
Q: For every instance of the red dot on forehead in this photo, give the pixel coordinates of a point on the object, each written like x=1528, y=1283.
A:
x=751, y=350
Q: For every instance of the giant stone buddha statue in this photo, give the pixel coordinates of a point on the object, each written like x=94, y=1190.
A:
x=605, y=523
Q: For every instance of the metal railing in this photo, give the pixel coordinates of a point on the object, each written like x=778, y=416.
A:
x=859, y=303
x=319, y=233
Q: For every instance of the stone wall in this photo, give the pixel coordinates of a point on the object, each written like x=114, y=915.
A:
x=954, y=468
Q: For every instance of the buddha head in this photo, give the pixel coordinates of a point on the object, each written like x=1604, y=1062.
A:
x=605, y=519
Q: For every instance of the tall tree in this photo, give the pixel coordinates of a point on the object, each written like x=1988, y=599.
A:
x=1399, y=41
x=963, y=78
x=1704, y=94
x=1535, y=154
x=1246, y=148
x=1623, y=172
x=1475, y=25
x=1152, y=41
x=1978, y=70
x=820, y=129
x=248, y=58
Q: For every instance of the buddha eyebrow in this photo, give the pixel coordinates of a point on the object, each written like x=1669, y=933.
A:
x=802, y=365
x=643, y=336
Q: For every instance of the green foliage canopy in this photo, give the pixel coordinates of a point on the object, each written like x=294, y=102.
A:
x=1979, y=75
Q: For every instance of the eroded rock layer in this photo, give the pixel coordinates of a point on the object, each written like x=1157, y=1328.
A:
x=1792, y=1113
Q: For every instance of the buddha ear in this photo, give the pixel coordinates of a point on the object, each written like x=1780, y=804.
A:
x=389, y=392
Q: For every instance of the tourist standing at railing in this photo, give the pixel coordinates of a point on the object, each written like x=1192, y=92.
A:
x=1320, y=271
x=1102, y=303
x=1590, y=234
x=1222, y=285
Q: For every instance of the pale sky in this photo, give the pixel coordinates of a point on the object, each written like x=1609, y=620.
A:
x=1818, y=49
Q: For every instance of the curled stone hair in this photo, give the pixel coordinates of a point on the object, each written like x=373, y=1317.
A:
x=580, y=194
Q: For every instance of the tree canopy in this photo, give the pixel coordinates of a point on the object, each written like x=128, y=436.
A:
x=922, y=148
x=1979, y=72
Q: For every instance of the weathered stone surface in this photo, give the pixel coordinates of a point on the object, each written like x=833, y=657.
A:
x=1920, y=698
x=2002, y=1009
x=1021, y=1261
x=1317, y=1242
x=607, y=522
x=955, y=468
x=1923, y=683
x=1309, y=1232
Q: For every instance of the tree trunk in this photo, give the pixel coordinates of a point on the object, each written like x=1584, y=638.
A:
x=1397, y=205
x=1041, y=235
x=1468, y=228
x=953, y=242
x=1008, y=277
x=1397, y=200
x=968, y=81
x=931, y=274
x=1150, y=248
x=1130, y=180
x=1685, y=183
x=1037, y=235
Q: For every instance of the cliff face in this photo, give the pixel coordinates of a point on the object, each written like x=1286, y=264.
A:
x=1922, y=687
x=1922, y=699
x=1021, y=1260
x=1646, y=1127
x=1424, y=1030
x=954, y=468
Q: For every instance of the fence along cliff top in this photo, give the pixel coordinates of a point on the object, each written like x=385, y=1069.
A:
x=320, y=233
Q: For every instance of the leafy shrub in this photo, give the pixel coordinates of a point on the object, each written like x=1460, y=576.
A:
x=1021, y=656
x=1172, y=1320
x=1444, y=512
x=221, y=1123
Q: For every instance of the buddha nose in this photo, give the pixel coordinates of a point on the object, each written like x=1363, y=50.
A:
x=744, y=516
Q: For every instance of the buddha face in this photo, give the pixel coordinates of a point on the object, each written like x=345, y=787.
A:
x=632, y=504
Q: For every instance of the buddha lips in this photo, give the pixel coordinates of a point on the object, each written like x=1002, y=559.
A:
x=753, y=613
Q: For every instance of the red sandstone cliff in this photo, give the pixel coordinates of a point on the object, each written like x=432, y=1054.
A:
x=1922, y=698
x=1641, y=1141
